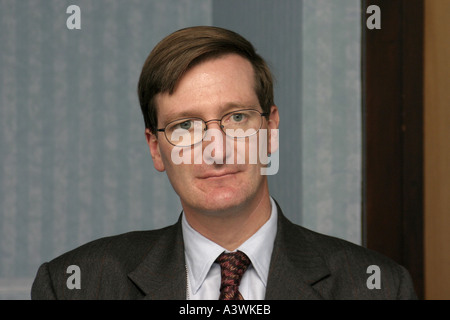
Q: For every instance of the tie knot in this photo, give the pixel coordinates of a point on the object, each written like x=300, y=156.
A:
x=233, y=266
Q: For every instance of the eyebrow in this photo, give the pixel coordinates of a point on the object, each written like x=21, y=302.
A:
x=224, y=109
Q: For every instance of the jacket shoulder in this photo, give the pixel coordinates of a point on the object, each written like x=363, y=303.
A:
x=135, y=244
x=101, y=263
x=357, y=272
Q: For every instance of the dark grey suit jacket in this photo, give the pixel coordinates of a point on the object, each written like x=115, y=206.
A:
x=151, y=265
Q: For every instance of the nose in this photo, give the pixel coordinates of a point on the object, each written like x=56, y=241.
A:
x=214, y=144
x=210, y=130
x=218, y=121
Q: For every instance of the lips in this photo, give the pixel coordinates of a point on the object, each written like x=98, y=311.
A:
x=218, y=174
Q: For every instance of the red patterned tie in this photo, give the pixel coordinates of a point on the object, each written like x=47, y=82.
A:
x=233, y=266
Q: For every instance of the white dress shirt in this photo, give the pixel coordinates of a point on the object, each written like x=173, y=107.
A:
x=203, y=275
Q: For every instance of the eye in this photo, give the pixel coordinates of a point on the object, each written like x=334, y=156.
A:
x=185, y=125
x=237, y=117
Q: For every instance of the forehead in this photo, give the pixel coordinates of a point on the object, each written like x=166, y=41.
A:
x=210, y=88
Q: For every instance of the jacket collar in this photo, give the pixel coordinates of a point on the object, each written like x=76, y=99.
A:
x=296, y=269
x=162, y=274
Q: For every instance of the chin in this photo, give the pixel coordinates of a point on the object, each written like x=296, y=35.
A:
x=224, y=200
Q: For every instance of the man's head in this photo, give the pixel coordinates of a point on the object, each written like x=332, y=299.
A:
x=185, y=48
x=207, y=73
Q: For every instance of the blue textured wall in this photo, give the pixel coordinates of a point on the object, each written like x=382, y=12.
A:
x=73, y=158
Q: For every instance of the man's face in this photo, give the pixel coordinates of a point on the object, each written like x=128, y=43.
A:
x=208, y=91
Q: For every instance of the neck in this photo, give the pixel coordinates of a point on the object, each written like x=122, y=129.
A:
x=232, y=228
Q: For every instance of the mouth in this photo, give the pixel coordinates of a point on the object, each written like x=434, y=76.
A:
x=218, y=175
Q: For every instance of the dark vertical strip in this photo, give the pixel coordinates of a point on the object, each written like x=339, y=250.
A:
x=393, y=83
x=363, y=123
x=413, y=138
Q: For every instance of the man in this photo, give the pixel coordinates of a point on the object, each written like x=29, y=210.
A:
x=205, y=94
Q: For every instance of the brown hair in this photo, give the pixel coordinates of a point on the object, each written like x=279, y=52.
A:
x=183, y=49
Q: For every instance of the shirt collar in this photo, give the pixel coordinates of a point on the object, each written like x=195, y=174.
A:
x=201, y=252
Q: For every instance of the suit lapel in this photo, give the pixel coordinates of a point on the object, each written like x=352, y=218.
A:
x=296, y=268
x=162, y=275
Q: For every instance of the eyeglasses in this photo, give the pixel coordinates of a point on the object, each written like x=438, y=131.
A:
x=237, y=124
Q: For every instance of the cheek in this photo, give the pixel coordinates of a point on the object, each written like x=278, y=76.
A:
x=166, y=158
x=177, y=169
x=178, y=175
x=252, y=151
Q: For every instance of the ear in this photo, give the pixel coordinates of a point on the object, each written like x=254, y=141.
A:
x=272, y=126
x=153, y=144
